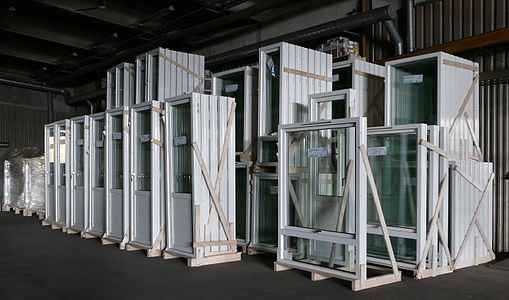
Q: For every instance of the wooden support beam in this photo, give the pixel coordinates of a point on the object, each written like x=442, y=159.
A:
x=474, y=42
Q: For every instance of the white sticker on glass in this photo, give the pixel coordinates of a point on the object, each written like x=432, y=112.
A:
x=99, y=143
x=274, y=190
x=117, y=135
x=181, y=140
x=231, y=88
x=377, y=151
x=335, y=77
x=80, y=142
x=413, y=78
x=145, y=138
x=317, y=152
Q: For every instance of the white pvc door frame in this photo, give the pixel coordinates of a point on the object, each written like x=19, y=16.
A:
x=77, y=212
x=95, y=142
x=124, y=135
x=157, y=199
x=62, y=217
x=50, y=202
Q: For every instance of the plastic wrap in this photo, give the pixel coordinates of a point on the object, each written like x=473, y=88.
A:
x=16, y=177
x=33, y=192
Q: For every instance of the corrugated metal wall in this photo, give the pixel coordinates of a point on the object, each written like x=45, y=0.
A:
x=495, y=144
x=438, y=22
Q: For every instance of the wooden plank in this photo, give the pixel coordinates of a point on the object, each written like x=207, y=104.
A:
x=342, y=209
x=459, y=46
x=472, y=222
x=296, y=204
x=215, y=243
x=306, y=74
x=431, y=230
x=472, y=134
x=279, y=267
x=433, y=148
x=378, y=205
x=461, y=65
x=469, y=179
x=318, y=276
x=155, y=249
x=372, y=76
x=443, y=240
x=216, y=259
x=484, y=238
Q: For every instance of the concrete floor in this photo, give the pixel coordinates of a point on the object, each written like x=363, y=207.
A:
x=39, y=263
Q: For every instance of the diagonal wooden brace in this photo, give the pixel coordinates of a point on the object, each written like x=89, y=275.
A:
x=378, y=205
x=434, y=220
x=465, y=102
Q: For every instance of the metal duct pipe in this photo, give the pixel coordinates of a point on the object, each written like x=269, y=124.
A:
x=410, y=26
x=359, y=20
x=70, y=100
x=395, y=37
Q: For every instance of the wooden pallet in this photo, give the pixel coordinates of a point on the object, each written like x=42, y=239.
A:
x=151, y=252
x=122, y=244
x=57, y=226
x=357, y=284
x=5, y=207
x=27, y=212
x=205, y=261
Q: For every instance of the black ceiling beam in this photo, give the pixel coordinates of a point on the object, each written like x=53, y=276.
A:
x=207, y=26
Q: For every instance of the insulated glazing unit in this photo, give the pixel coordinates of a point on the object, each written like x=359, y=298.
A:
x=241, y=84
x=163, y=73
x=243, y=203
x=437, y=89
x=323, y=219
x=288, y=75
x=146, y=222
x=200, y=170
x=120, y=81
x=97, y=204
x=79, y=158
x=117, y=181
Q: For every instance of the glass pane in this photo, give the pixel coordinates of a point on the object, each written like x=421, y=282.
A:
x=120, y=101
x=117, y=153
x=414, y=92
x=142, y=79
x=240, y=202
x=269, y=151
x=98, y=153
x=267, y=211
x=404, y=249
x=62, y=156
x=113, y=88
x=182, y=152
x=155, y=77
x=393, y=159
x=51, y=171
x=329, y=110
x=320, y=159
x=319, y=253
x=232, y=85
x=143, y=150
x=272, y=76
x=342, y=78
x=79, y=154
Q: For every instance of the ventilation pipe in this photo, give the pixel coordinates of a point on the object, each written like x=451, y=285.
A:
x=369, y=17
x=410, y=39
x=395, y=37
x=70, y=100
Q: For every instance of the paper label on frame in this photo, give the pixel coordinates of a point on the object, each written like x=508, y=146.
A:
x=377, y=151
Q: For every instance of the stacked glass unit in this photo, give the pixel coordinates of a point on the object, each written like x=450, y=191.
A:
x=120, y=82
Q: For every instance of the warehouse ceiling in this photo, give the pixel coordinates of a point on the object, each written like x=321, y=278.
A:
x=65, y=42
